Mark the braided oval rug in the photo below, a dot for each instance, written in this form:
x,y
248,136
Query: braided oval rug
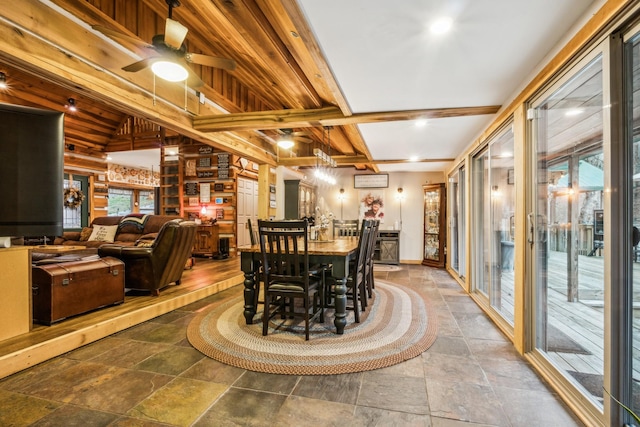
x,y
397,325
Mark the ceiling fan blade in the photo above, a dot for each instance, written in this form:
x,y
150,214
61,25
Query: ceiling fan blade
x,y
140,65
118,35
304,139
193,80
174,33
211,61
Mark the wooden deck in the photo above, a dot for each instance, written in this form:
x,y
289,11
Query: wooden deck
x,y
44,342
583,320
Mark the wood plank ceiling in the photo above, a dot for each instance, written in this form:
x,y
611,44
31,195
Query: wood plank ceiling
x,y
51,54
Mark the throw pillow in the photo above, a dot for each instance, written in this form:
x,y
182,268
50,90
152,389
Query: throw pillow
x,y
103,233
85,233
144,243
132,223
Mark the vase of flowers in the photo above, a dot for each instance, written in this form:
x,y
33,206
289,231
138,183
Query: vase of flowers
x,y
323,222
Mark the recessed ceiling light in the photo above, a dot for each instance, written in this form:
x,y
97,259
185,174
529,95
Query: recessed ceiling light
x,y
413,158
421,123
441,25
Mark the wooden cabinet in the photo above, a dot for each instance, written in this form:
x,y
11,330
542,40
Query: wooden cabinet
x,y
15,305
387,249
299,199
206,240
434,225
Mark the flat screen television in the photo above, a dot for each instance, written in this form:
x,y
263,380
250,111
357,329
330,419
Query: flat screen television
x,y
31,171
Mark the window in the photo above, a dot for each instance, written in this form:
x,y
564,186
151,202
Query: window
x,y
146,202
120,201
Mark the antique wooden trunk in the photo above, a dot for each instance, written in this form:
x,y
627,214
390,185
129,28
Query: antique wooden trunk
x,y
70,288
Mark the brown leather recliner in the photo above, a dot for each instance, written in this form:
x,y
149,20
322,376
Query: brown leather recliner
x,y
155,267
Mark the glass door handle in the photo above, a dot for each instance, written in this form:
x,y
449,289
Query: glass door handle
x,y
540,226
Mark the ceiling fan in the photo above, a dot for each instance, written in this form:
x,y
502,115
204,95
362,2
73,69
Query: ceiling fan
x,y
288,137
170,59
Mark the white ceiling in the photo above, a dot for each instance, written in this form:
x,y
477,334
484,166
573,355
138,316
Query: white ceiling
x,y
145,159
385,59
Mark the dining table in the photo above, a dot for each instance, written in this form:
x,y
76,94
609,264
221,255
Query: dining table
x,y
338,253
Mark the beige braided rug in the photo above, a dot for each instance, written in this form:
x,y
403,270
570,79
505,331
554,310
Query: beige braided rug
x,y
398,326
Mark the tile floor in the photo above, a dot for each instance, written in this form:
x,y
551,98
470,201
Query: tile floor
x,y
149,375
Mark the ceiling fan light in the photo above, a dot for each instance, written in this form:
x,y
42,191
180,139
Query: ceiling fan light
x,y
285,143
169,71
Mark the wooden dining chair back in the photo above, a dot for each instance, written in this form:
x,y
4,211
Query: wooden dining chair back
x,y
253,234
370,258
345,228
285,265
253,239
356,287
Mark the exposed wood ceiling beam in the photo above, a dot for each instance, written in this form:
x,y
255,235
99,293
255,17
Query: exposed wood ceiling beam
x,y
350,160
56,57
328,116
302,44
312,160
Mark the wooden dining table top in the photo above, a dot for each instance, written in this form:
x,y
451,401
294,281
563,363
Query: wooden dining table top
x,y
338,247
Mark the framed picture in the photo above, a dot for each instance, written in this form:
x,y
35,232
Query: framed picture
x,y
380,180
371,205
218,187
190,167
204,162
510,177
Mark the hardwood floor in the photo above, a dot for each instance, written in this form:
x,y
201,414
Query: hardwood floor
x,y
206,278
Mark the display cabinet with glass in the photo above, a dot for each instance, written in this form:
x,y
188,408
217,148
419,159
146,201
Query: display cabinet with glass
x,y
434,226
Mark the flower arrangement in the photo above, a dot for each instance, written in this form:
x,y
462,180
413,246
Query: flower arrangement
x,y
323,221
72,198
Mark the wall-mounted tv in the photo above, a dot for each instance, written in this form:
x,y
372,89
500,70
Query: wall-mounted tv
x,y
31,171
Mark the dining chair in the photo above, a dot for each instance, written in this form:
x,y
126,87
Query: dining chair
x,y
345,228
287,275
253,239
253,234
369,263
356,290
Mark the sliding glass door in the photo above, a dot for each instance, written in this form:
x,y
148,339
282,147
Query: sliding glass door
x,y
629,334
566,226
494,223
457,225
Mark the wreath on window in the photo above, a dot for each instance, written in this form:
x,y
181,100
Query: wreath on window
x,y
72,198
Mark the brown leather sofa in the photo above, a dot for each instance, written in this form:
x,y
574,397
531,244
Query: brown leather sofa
x,y
128,233
157,266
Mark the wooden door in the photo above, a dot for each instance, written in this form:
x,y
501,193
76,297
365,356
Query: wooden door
x,y
247,208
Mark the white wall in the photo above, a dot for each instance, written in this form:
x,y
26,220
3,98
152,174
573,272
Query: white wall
x,y
411,235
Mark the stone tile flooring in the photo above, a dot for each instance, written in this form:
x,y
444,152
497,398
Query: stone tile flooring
x,y
149,375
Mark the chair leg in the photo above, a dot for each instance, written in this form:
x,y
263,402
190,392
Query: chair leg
x,y
256,280
363,296
370,284
306,317
354,300
265,315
